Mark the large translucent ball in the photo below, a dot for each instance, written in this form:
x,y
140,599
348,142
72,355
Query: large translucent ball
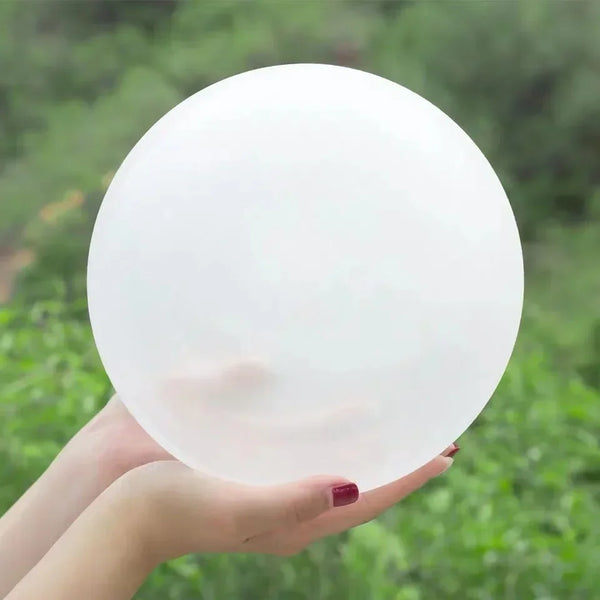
x,y
305,269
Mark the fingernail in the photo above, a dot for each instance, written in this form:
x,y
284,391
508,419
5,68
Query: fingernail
x,y
344,494
453,451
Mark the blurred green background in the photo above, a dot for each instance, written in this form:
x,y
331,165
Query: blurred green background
x,y
518,515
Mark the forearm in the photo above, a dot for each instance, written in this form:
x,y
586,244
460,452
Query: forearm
x,y
45,511
100,557
108,446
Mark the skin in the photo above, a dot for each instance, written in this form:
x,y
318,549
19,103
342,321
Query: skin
x,y
113,505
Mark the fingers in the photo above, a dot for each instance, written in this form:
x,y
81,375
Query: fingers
x,y
308,503
288,506
218,379
369,506
187,511
379,500
374,502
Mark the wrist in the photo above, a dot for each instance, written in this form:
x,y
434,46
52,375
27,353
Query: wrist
x,y
93,458
114,443
134,503
126,513
156,500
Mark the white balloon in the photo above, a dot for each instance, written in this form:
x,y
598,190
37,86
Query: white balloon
x,y
305,269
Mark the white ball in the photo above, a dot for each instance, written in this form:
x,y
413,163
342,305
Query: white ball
x,y
305,269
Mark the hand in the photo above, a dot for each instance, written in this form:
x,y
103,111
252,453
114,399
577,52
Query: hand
x,y
163,509
180,511
298,514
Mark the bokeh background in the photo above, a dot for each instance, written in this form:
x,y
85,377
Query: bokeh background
x,y
518,516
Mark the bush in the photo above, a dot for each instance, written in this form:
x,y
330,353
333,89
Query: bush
x,y
514,518
520,78
528,96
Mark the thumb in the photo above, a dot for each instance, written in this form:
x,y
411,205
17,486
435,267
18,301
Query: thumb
x,y
285,506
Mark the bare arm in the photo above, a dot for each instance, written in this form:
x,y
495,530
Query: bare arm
x,y
163,510
100,557
107,447
42,514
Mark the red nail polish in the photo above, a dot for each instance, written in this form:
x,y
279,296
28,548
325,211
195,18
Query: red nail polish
x,y
344,494
453,451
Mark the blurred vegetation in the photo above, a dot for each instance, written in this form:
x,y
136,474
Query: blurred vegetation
x,y
517,517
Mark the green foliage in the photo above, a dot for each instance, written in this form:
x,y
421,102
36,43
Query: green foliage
x,y
74,141
516,517
566,287
53,51
519,77
51,381
81,143
527,95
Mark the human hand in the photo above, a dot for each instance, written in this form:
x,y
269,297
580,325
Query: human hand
x,y
161,510
187,511
178,510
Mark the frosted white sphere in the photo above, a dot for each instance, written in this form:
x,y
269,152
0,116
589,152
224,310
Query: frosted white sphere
x,y
305,269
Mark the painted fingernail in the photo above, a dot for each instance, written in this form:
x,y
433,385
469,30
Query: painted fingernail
x,y
453,451
344,494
